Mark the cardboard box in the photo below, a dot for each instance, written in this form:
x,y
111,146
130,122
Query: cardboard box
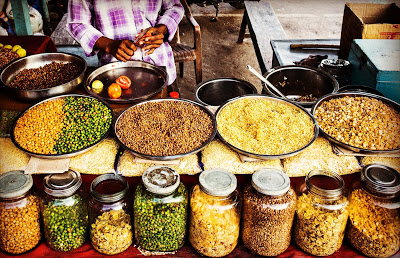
x,y
368,21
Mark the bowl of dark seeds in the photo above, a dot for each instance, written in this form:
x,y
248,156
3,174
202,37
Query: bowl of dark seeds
x,y
165,129
44,75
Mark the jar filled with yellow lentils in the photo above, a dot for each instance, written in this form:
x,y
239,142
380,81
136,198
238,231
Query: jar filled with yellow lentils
x,y
322,212
215,213
269,205
110,214
19,213
374,219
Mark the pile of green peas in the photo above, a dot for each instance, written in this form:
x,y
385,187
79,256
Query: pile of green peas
x,y
86,121
65,225
160,221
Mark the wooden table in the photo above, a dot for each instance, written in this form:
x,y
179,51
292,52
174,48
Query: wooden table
x,y
263,26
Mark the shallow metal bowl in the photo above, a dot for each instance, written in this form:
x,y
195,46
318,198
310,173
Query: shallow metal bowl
x,y
64,155
172,157
35,61
301,80
273,99
355,94
147,80
215,92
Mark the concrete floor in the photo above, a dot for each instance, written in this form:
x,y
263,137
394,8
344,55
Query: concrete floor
x,y
223,57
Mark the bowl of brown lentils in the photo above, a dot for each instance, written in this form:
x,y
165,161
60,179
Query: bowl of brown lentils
x,y
359,121
40,76
62,126
165,129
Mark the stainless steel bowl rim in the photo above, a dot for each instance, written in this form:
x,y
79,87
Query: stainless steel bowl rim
x,y
172,157
204,83
301,67
355,94
72,84
265,156
130,63
65,155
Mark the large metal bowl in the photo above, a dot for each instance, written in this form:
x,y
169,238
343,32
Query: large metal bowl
x,y
147,80
274,99
355,94
35,61
301,80
64,155
172,157
215,92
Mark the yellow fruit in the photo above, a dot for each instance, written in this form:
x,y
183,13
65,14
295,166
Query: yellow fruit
x,y
16,47
1,45
8,46
21,52
97,84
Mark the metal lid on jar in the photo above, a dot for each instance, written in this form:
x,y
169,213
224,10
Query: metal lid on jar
x,y
217,182
14,184
161,180
270,181
109,188
381,179
62,184
325,183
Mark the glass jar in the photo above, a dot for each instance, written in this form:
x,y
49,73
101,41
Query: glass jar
x,y
374,219
19,213
322,212
215,213
64,210
160,210
269,205
110,214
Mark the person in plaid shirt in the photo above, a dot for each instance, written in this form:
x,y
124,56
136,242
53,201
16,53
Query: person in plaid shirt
x,y
108,27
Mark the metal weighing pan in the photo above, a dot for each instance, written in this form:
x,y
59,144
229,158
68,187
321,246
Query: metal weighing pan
x,y
35,61
147,80
274,99
65,155
355,94
172,157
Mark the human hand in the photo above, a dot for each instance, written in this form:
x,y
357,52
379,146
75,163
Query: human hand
x,y
152,39
123,50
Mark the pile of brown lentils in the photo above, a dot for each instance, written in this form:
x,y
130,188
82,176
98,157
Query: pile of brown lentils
x,y
6,56
47,76
164,128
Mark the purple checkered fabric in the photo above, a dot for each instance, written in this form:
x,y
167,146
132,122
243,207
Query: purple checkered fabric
x,y
88,20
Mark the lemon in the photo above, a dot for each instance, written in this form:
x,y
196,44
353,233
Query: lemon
x,y
21,52
1,45
97,85
8,46
16,47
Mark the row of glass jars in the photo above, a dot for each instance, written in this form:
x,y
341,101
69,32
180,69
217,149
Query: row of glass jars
x,y
161,203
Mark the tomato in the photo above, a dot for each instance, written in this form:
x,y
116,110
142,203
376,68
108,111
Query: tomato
x,y
124,82
114,91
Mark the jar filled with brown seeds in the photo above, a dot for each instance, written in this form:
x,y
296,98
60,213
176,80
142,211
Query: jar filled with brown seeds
x,y
215,213
19,213
322,212
374,219
269,205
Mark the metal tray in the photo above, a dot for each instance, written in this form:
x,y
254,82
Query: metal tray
x,y
147,80
172,157
35,61
355,94
64,155
275,99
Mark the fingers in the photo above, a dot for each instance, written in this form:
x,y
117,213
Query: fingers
x,y
149,52
125,50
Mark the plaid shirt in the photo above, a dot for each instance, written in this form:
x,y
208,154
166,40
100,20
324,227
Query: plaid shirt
x,y
88,20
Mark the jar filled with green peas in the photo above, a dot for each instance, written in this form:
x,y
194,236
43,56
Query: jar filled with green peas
x,y
160,210
64,210
110,214
19,213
